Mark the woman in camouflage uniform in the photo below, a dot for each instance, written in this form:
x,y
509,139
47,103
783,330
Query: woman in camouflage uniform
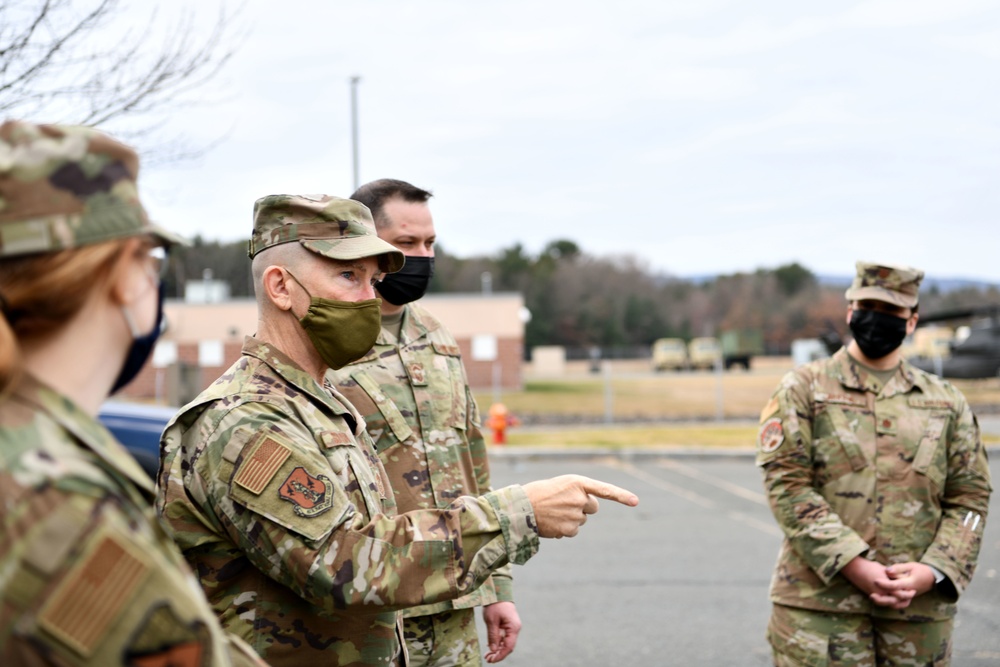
x,y
877,476
87,574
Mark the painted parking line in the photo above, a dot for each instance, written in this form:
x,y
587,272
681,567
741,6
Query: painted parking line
x,y
717,482
701,500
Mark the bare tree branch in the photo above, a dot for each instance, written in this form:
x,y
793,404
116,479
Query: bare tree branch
x,y
74,61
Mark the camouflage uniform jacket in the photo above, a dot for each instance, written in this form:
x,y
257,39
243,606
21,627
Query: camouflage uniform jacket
x,y
88,576
894,474
415,399
275,494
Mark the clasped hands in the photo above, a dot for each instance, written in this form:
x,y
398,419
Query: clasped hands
x,y
892,586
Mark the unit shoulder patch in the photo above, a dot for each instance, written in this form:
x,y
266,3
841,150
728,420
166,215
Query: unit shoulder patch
x,y
310,495
771,435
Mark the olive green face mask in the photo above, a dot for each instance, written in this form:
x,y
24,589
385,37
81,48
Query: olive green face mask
x,y
341,331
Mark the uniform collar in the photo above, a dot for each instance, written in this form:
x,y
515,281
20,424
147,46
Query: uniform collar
x,y
413,328
853,375
93,435
294,375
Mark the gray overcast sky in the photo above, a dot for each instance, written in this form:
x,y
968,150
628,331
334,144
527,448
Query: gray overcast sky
x,y
701,137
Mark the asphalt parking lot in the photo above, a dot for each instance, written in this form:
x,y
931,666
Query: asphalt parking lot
x,y
682,579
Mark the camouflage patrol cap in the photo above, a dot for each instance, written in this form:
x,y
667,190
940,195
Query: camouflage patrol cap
x,y
898,285
62,187
329,226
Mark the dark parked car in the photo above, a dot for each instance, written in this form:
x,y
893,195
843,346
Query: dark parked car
x,y
138,427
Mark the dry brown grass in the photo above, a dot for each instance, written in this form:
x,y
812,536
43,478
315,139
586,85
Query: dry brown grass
x,y
673,396
634,397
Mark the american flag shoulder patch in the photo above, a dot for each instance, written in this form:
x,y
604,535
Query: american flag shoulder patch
x,y
93,594
260,468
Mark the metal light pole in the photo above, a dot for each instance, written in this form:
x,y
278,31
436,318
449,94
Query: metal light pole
x,y
354,127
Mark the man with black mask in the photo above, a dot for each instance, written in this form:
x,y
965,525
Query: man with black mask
x,y
877,476
413,393
272,487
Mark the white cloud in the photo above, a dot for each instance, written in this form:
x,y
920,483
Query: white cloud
x,y
708,136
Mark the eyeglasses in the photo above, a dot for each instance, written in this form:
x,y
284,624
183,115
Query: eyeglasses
x,y
159,260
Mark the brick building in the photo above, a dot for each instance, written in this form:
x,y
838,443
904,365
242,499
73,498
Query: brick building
x,y
204,339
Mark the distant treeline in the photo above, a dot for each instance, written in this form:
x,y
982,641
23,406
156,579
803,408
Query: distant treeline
x,y
581,301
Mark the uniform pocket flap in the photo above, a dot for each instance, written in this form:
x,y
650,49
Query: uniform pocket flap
x,y
929,443
389,411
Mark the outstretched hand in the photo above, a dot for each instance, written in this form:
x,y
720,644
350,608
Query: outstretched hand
x,y
562,504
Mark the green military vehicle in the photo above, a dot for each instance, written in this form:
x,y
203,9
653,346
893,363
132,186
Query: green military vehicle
x,y
740,346
669,354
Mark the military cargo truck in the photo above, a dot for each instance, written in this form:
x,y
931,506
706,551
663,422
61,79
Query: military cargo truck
x,y
740,346
704,352
669,354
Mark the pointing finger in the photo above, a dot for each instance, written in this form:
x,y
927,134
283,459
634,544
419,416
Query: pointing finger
x,y
609,492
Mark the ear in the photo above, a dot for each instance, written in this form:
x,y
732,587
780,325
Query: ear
x,y
275,282
850,311
911,324
122,286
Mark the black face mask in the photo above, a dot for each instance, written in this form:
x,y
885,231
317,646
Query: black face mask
x,y
877,333
141,348
409,283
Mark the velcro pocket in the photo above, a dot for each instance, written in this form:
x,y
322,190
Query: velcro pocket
x,y
927,450
453,408
846,431
286,485
88,601
393,417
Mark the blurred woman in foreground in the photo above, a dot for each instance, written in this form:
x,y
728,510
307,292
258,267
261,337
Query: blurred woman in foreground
x,y
87,574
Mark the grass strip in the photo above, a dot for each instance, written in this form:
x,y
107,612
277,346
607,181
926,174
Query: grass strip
x,y
620,437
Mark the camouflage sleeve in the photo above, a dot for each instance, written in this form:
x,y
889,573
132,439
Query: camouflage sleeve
x,y
502,578
785,453
85,584
303,517
965,503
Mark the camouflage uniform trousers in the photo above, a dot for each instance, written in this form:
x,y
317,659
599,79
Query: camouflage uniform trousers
x,y
446,639
808,638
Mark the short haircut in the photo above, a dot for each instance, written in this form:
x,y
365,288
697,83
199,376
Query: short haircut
x,y
374,195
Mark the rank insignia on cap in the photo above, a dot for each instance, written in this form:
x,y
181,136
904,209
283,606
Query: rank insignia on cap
x,y
310,495
771,435
255,473
93,594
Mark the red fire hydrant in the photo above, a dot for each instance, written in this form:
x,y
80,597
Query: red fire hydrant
x,y
499,419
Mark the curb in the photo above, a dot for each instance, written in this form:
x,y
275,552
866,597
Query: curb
x,y
508,453
520,454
